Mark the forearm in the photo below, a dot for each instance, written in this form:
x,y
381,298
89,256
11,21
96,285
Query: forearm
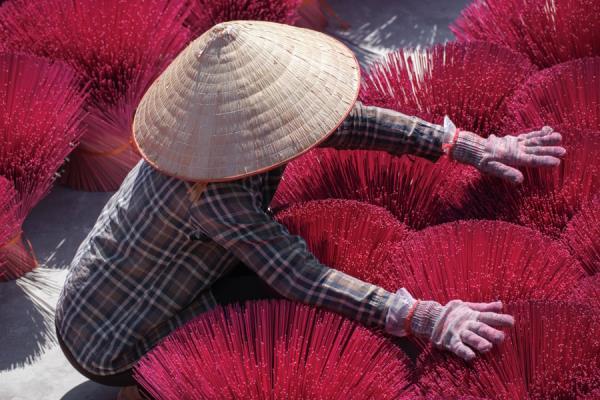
x,y
375,128
230,215
298,275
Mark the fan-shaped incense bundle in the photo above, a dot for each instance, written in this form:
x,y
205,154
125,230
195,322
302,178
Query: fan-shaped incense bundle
x,y
582,236
466,81
482,261
548,32
408,188
118,48
588,292
15,258
273,350
566,95
345,234
207,13
551,353
548,198
40,112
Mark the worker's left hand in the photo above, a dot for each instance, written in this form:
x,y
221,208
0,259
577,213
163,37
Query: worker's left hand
x,y
499,155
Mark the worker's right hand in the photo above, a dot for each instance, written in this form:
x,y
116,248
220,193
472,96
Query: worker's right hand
x,y
464,328
460,327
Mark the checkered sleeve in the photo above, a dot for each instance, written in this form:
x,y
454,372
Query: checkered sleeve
x,y
230,214
376,128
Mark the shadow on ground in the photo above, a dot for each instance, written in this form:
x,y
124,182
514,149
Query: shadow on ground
x,y
25,331
57,227
89,390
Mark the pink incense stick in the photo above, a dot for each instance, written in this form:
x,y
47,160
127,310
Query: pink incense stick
x,y
566,94
466,81
482,261
547,32
273,350
409,188
345,235
118,48
553,352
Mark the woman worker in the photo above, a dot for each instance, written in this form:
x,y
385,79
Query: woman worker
x,y
216,130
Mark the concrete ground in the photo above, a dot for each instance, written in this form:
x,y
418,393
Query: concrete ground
x,y
32,367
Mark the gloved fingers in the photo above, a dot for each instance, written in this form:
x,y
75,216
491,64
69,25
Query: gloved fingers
x,y
503,171
462,351
486,331
495,306
475,341
546,130
555,151
553,138
530,160
496,319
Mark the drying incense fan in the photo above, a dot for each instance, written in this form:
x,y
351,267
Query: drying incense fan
x,y
481,261
553,352
345,235
466,81
118,48
40,113
207,13
564,95
411,189
548,32
273,350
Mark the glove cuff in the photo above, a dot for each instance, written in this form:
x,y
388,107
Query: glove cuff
x,y
425,316
469,148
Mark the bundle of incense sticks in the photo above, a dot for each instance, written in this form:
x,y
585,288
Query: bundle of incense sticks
x,y
345,235
40,113
206,13
118,48
409,188
547,32
551,353
466,81
482,261
273,350
566,95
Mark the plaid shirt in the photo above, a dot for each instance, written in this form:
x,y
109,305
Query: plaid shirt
x,y
148,264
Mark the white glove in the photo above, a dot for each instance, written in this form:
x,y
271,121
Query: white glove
x,y
459,327
498,155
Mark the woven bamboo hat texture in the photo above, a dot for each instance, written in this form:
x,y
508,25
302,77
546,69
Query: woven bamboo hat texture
x,y
243,98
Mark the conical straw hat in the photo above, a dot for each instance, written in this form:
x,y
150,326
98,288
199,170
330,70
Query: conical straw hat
x,y
245,97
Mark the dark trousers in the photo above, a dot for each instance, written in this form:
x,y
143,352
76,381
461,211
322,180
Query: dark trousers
x,y
239,286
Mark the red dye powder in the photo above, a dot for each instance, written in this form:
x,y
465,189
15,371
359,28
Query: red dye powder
x,y
273,350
